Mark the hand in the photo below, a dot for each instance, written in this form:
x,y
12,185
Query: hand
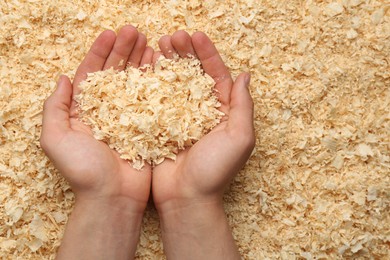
x,y
106,187
202,171
188,192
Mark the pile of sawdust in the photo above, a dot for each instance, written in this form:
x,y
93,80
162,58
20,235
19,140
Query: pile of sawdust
x,y
149,114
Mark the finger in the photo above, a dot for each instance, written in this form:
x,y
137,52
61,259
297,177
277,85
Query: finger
x,y
95,58
241,106
213,65
122,49
138,51
56,111
147,57
166,47
182,43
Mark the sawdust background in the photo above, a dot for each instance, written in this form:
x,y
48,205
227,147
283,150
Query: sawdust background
x,y
317,184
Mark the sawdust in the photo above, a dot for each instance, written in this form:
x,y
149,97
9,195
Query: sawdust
x,y
317,184
150,114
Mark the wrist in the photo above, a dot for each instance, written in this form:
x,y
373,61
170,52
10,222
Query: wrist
x,y
191,218
110,203
99,229
188,208
198,230
110,211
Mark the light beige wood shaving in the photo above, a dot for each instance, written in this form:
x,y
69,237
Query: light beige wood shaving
x,y
150,114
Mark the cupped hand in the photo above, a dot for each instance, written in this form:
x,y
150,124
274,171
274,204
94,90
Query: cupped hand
x,y
201,172
94,171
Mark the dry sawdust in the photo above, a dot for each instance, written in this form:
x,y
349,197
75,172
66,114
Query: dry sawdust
x,y
149,114
317,184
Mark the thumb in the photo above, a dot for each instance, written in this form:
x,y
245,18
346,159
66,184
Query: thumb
x,y
241,106
56,111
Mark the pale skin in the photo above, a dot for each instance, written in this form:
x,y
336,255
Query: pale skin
x,y
111,196
188,192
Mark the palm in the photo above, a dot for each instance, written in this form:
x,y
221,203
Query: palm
x,y
88,164
103,170
192,171
205,168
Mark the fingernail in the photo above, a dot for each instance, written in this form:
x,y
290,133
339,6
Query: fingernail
x,y
247,79
60,81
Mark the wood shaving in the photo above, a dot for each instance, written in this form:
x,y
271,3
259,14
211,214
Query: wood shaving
x,y
317,183
148,114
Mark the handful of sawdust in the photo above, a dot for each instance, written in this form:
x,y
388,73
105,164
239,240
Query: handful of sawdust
x,y
149,115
